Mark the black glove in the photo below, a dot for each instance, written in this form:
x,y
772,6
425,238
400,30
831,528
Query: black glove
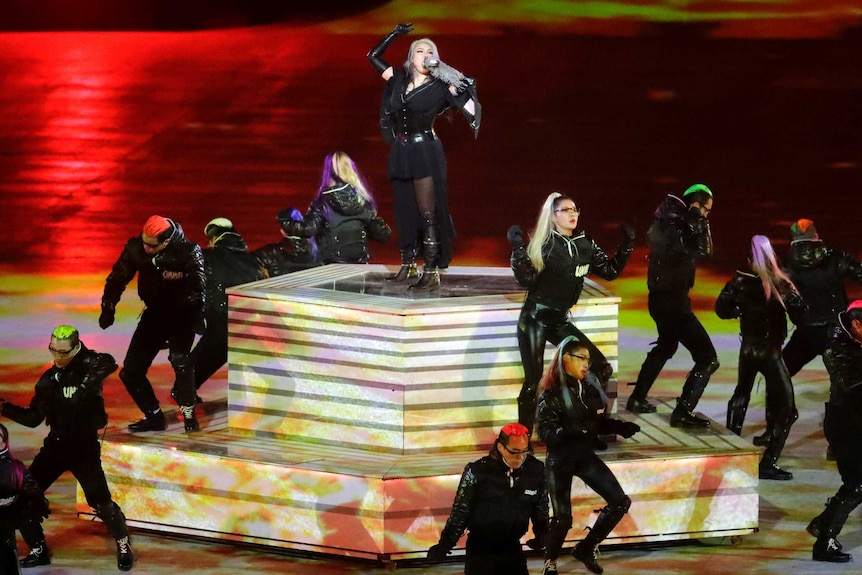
x,y
515,236
106,318
374,55
199,323
626,428
536,543
628,232
403,29
437,553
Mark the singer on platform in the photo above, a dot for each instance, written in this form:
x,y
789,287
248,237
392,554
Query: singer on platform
x,y
413,97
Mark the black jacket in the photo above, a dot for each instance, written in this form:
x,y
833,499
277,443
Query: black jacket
x,y
68,399
819,274
291,254
492,509
570,419
18,491
762,322
172,280
678,237
227,264
843,360
342,223
567,262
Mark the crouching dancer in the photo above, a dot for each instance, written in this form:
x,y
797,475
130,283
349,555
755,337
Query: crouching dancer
x,y
68,397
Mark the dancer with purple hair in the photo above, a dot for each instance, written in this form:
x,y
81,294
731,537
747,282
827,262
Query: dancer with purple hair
x,y
343,215
760,296
414,96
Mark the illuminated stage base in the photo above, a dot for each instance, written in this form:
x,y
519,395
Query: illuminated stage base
x,y
345,431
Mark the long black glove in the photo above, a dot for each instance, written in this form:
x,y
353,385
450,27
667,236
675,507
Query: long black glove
x,y
374,55
106,318
437,553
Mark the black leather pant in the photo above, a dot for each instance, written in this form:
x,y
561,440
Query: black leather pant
x,y
762,357
843,429
806,342
677,324
600,479
537,325
155,329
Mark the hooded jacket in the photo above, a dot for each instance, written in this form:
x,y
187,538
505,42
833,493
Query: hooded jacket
x,y
678,237
170,281
819,273
228,263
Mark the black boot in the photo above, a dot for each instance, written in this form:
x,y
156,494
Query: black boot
x,y
39,555
736,409
408,270
154,421
587,551
828,549
683,416
637,404
430,252
817,525
190,422
125,557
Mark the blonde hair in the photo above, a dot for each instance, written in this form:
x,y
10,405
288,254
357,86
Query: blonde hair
x,y
764,264
339,167
544,227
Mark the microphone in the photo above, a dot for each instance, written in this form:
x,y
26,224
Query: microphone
x,y
431,62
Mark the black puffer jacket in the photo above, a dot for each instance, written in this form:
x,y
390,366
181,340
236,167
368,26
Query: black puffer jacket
x,y
342,223
570,419
227,264
492,509
172,280
761,322
69,399
819,274
568,260
678,237
843,360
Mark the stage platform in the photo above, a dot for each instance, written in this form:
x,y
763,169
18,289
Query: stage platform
x,y
353,406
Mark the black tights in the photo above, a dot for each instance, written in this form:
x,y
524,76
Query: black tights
x,y
424,188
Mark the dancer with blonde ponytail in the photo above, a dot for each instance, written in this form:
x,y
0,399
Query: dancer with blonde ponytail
x,y
760,296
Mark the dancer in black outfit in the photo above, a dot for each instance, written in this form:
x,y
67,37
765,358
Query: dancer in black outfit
x,y
19,495
68,397
818,273
227,263
497,498
843,428
292,253
170,271
760,296
343,215
553,268
413,97
572,412
679,237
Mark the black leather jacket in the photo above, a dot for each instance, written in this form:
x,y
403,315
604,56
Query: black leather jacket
x,y
819,274
227,264
172,280
678,237
567,262
843,360
762,322
342,223
291,254
18,490
570,419
69,399
492,509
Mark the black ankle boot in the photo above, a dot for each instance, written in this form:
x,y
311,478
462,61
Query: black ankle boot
x,y
190,422
682,416
639,405
38,555
589,556
152,422
125,557
828,549
430,279
773,472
